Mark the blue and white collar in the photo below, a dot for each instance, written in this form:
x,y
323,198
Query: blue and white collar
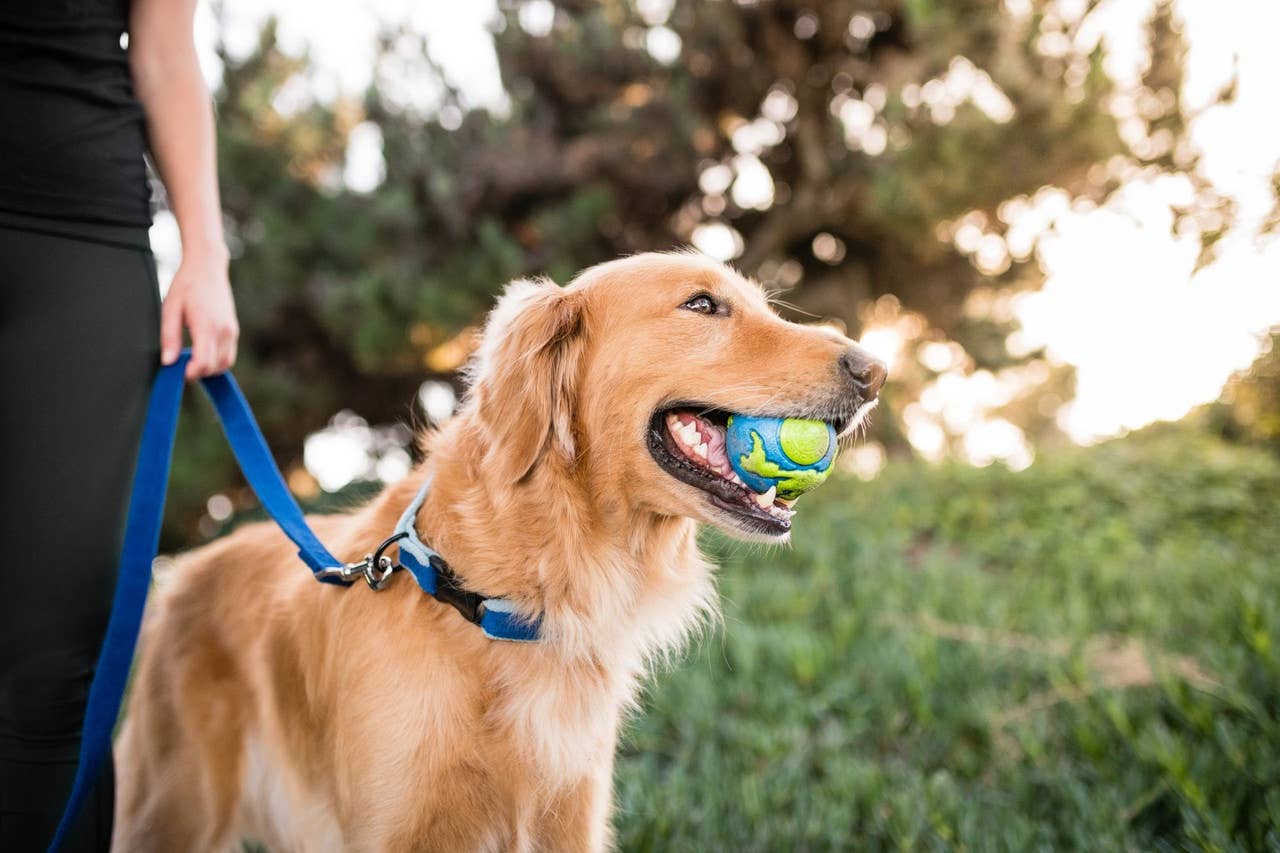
x,y
497,617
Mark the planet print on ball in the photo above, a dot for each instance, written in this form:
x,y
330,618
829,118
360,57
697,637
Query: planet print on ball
x,y
792,454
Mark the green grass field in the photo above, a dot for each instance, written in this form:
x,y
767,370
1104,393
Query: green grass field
x,y
1081,656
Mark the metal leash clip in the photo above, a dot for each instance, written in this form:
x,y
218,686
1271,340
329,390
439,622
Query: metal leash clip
x,y
375,568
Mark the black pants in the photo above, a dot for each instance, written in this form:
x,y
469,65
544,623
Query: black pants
x,y
79,344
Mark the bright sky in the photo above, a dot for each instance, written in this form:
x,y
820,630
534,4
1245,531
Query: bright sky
x,y
1149,337
341,38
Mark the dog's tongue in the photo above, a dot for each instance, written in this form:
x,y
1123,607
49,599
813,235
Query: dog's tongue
x,y
702,441
716,456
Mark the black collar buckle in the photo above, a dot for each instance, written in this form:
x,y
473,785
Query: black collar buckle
x,y
450,591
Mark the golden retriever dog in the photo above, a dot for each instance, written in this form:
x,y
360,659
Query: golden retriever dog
x,y
313,717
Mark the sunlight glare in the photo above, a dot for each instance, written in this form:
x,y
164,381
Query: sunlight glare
x,y
884,342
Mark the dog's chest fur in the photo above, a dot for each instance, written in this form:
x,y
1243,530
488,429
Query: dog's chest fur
x,y
562,724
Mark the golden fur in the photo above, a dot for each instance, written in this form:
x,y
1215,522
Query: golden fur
x,y
316,718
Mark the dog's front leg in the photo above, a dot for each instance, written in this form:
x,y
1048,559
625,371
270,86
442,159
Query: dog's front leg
x,y
578,819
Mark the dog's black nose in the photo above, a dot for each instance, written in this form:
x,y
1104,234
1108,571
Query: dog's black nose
x,y
865,371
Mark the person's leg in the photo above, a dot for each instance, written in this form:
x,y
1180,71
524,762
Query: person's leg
x,y
78,348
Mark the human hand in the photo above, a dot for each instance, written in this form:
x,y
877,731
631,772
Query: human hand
x,y
200,300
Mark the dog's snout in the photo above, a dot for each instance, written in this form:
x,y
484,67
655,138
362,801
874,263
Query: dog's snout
x,y
866,372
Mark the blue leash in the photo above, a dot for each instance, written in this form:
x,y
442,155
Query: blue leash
x,y
142,539
496,617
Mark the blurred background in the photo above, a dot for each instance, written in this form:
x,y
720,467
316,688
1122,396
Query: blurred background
x,y
1041,608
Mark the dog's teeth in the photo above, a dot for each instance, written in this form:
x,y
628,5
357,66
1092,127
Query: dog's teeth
x,y
766,500
733,476
700,450
788,503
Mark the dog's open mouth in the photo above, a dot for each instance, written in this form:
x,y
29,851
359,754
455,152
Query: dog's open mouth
x,y
689,443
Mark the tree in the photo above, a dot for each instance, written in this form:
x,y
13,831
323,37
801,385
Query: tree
x,y
863,158
1249,410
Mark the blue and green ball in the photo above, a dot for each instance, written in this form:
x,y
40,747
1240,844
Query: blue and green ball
x,y
793,454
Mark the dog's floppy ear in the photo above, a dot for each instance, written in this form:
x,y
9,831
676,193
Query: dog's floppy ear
x,y
524,377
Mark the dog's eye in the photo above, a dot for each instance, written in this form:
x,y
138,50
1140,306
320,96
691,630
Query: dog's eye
x,y
703,303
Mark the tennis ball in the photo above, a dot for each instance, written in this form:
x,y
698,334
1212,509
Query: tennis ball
x,y
793,454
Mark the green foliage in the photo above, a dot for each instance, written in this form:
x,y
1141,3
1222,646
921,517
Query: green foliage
x,y
344,295
1250,406
1084,655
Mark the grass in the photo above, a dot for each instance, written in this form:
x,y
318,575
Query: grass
x,y
1081,656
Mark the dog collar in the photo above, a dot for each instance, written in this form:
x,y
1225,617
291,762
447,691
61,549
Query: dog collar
x,y
497,617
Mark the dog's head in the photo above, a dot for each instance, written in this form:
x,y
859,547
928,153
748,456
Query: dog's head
x,y
596,383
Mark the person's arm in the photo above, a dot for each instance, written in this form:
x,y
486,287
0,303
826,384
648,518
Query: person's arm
x,y
168,83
